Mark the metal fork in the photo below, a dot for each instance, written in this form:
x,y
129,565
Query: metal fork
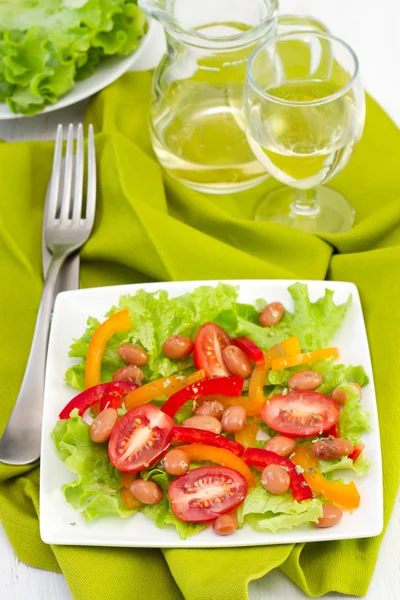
x,y
68,226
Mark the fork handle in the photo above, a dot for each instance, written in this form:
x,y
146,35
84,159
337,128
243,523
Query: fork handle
x,y
20,443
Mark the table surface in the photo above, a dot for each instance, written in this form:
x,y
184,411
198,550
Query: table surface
x,y
372,30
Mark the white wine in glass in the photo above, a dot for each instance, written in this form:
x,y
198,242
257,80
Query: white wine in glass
x,y
305,111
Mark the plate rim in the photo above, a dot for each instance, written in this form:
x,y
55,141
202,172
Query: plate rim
x,y
323,534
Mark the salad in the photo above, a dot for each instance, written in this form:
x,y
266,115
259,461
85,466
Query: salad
x,y
200,411
45,47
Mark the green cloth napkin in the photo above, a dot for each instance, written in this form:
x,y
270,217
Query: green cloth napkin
x,y
149,227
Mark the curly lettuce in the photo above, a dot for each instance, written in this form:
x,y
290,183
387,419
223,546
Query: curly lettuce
x,y
156,316
45,47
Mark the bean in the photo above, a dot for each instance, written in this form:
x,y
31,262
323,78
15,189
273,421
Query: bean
x,y
280,444
330,449
102,426
147,492
206,423
237,362
225,524
331,515
133,354
305,380
234,419
275,479
177,347
341,396
128,373
210,408
272,314
176,462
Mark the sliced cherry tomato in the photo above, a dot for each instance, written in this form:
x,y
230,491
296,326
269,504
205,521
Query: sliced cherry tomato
x,y
258,457
139,438
206,492
128,498
356,452
94,395
301,359
227,386
250,348
160,388
210,340
300,414
200,436
223,457
344,495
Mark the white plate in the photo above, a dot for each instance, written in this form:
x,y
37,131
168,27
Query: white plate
x,y
106,72
56,515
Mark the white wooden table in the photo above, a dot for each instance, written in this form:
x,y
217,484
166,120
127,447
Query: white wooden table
x,y
371,27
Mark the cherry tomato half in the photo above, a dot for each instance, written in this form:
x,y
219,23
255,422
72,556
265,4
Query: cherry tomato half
x,y
139,438
300,414
208,345
206,492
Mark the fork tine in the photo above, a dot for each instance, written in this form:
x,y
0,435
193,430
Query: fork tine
x,y
55,177
79,168
91,187
68,170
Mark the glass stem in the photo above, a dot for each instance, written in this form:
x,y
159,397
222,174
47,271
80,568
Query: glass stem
x,y
305,202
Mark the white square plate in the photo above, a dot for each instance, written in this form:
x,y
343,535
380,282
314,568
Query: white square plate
x,y
57,516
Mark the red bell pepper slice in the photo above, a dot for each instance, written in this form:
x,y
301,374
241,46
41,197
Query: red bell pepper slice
x,y
110,392
115,392
258,457
221,386
333,431
200,436
250,348
356,452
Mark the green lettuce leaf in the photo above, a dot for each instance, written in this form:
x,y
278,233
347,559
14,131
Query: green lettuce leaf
x,y
96,491
333,375
46,46
353,420
267,512
360,466
315,323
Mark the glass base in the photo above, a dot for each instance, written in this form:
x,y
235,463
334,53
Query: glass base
x,y
332,213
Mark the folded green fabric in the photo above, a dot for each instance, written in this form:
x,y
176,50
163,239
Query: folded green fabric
x,y
149,227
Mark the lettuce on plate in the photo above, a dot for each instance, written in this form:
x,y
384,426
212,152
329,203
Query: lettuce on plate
x,y
353,420
156,316
96,491
266,512
360,466
45,47
333,375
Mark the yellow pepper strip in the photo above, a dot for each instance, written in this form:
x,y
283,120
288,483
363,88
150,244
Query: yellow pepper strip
x,y
160,388
129,499
247,437
223,457
116,323
300,359
344,495
288,347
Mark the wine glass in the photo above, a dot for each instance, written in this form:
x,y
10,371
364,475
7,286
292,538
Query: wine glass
x,y
304,112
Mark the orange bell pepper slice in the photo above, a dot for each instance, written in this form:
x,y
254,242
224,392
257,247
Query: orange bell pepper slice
x,y
288,347
300,359
114,324
247,437
129,499
344,495
223,457
160,388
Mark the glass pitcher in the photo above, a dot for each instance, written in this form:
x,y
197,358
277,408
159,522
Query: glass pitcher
x,y
197,126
